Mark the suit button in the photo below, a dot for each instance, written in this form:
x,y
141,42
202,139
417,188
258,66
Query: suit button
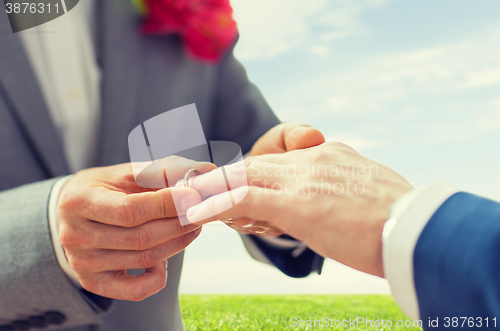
x,y
55,318
38,322
6,328
21,325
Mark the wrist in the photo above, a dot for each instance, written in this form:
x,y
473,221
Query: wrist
x,y
392,197
394,194
53,224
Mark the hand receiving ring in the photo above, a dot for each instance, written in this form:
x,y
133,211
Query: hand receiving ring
x,y
243,225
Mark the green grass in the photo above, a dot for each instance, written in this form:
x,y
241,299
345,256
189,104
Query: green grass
x,y
273,312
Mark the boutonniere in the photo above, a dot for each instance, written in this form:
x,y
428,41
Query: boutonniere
x,y
207,27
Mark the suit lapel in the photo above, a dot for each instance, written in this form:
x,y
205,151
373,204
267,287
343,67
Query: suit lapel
x,y
119,56
19,87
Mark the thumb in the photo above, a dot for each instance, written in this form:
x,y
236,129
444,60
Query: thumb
x,y
303,137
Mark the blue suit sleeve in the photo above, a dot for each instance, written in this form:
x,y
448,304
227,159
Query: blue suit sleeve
x,y
457,263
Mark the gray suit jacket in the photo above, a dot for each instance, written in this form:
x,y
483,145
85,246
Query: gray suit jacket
x,y
142,77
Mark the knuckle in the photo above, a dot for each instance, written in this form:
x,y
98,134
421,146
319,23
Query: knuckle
x,y
76,263
337,145
143,290
72,235
174,158
172,161
237,172
325,155
280,127
147,258
140,239
69,201
126,214
166,206
248,161
139,293
90,284
67,236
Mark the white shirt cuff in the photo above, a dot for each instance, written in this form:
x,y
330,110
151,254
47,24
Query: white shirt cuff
x,y
409,216
60,255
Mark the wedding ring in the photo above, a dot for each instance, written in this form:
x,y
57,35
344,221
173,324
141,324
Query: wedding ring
x,y
249,225
187,176
259,230
229,221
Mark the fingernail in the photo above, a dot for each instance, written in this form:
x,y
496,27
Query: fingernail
x,y
189,201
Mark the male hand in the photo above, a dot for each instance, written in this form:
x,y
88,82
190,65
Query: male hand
x,y
280,139
108,224
330,197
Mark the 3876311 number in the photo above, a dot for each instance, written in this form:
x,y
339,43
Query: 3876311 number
x,y
471,322
31,7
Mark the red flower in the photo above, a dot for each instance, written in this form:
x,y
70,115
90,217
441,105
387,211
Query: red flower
x,y
207,27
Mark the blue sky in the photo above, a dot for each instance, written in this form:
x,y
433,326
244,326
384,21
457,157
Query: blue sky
x,y
412,84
